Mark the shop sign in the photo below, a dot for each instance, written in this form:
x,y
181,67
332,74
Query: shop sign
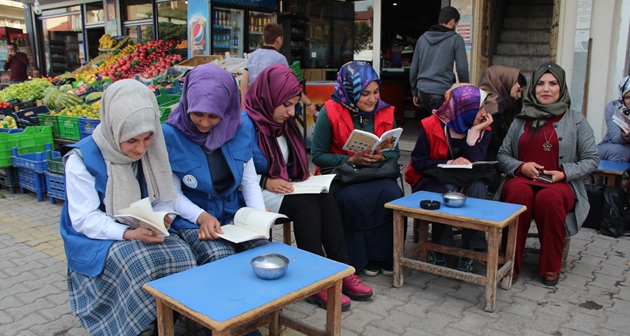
x,y
198,29
269,4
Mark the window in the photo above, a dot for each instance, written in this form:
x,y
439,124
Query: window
x,y
172,20
138,9
94,13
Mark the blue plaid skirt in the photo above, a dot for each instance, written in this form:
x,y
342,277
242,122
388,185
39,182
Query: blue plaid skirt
x,y
113,303
208,251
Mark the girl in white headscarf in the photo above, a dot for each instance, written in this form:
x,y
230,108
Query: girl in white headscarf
x,y
123,161
616,144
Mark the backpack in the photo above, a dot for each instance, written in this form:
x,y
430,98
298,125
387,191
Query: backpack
x,y
615,212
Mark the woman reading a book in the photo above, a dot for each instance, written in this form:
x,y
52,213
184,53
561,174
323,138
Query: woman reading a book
x,y
456,134
546,153
123,161
270,102
368,226
616,143
210,149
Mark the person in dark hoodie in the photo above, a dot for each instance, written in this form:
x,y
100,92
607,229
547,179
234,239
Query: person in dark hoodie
x,y
431,73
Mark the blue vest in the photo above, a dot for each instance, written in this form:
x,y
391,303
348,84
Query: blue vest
x,y
189,163
86,256
260,161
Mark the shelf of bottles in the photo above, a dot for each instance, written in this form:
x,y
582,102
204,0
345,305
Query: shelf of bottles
x,y
227,32
257,22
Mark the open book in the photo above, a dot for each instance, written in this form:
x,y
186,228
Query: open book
x,y
622,121
466,166
313,185
249,223
141,214
361,140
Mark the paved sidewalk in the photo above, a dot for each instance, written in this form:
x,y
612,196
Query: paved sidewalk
x,y
592,297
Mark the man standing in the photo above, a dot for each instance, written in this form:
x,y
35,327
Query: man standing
x,y
267,55
16,63
431,73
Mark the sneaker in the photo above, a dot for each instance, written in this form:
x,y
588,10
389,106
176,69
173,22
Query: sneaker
x,y
372,268
436,258
355,289
465,264
387,268
321,299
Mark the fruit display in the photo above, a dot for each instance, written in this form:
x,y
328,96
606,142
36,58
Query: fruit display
x,y
91,111
27,91
182,45
5,105
8,122
106,42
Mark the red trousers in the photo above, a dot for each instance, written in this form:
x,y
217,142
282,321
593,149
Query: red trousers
x,y
548,204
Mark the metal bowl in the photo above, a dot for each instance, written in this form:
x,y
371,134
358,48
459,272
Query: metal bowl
x,y
270,266
454,199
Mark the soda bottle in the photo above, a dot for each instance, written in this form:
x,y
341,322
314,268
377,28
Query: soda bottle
x,y
197,34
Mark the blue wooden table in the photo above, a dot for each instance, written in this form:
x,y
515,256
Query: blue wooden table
x,y
226,294
476,214
612,171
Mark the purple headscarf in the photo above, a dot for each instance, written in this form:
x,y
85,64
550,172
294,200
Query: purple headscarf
x,y
212,90
274,86
460,107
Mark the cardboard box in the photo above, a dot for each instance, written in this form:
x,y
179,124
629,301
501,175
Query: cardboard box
x,y
314,74
198,60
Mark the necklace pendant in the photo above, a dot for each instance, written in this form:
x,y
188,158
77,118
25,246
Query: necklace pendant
x,y
547,146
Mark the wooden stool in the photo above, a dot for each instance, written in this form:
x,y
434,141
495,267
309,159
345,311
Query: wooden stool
x,y
565,250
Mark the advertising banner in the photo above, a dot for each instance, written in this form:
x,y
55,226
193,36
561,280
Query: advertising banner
x,y
198,29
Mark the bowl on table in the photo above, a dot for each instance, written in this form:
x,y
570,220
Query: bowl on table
x,y
270,266
454,199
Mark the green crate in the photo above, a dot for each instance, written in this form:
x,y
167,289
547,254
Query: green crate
x,y
32,139
69,127
56,165
167,99
166,110
52,121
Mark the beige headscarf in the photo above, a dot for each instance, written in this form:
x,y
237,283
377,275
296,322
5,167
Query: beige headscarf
x,y
128,109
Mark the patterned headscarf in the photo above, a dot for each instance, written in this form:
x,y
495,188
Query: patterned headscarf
x,y
539,113
352,79
128,109
460,108
624,87
274,86
212,90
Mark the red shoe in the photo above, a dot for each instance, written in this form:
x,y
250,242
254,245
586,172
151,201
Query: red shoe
x,y
321,299
355,289
550,278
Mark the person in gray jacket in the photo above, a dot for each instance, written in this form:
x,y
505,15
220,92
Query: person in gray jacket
x,y
431,73
547,152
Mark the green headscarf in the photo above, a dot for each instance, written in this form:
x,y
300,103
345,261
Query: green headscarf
x,y
539,113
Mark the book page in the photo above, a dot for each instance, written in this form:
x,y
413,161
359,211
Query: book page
x,y
466,166
256,220
360,140
622,121
141,214
236,234
388,140
313,185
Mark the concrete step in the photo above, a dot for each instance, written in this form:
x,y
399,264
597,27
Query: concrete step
x,y
525,36
523,49
524,63
529,11
521,23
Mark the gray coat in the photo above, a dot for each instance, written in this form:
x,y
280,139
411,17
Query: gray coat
x,y
577,156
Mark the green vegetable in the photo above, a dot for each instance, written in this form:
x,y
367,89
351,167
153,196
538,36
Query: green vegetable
x,y
32,90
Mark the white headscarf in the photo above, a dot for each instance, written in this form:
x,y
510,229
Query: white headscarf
x,y
624,87
128,109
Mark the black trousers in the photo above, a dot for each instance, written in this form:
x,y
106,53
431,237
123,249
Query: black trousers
x,y
317,224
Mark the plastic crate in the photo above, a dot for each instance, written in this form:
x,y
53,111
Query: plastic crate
x,y
165,111
30,140
52,121
29,116
55,186
167,99
69,127
87,126
24,105
9,179
33,181
55,163
37,162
